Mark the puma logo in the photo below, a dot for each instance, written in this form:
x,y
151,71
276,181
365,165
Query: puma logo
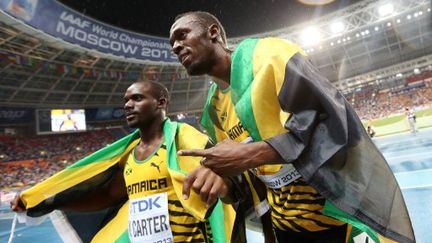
x,y
153,164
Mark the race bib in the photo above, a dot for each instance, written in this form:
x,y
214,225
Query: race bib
x,y
149,219
286,174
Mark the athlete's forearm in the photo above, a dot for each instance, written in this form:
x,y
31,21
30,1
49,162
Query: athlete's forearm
x,y
102,197
229,158
261,153
93,201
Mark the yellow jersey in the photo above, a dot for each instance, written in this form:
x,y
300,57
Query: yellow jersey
x,y
294,205
150,191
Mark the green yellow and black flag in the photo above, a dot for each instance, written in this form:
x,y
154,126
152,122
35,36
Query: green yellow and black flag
x,y
281,98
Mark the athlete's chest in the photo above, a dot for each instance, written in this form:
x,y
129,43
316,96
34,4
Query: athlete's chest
x,y
144,177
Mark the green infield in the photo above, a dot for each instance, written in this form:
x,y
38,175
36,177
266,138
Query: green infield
x,y
399,123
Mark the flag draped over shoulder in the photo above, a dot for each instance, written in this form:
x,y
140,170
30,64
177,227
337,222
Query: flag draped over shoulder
x,y
96,169
281,98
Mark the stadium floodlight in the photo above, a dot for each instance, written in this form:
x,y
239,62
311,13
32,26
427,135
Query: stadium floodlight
x,y
409,16
416,71
399,75
385,10
311,36
398,20
337,27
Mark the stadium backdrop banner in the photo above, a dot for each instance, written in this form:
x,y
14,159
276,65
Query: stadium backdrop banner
x,y
11,115
62,22
104,114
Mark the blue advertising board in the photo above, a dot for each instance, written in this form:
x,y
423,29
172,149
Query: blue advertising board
x,y
11,115
62,22
104,114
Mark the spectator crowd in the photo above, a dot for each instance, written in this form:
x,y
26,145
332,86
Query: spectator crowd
x,y
24,161
372,104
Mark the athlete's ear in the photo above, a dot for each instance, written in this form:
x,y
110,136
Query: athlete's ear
x,y
214,32
162,103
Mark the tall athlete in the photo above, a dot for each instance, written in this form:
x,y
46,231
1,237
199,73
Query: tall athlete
x,y
147,178
275,115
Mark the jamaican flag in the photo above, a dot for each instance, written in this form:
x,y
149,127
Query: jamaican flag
x,y
281,98
110,225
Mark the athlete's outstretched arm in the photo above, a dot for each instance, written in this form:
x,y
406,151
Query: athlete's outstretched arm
x,y
110,194
102,191
229,158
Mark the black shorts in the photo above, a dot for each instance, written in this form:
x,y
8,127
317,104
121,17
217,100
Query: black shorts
x,y
333,235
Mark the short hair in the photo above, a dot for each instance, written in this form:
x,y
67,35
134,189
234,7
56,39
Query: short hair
x,y
158,89
206,19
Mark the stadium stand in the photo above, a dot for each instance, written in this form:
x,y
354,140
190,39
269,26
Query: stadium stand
x,y
27,160
371,103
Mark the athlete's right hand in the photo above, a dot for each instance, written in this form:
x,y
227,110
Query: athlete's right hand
x,y
209,185
17,205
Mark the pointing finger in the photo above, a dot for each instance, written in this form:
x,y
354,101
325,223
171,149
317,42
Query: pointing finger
x,y
193,152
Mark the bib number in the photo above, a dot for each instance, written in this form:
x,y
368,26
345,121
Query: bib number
x,y
149,219
283,177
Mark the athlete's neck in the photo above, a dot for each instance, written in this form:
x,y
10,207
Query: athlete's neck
x,y
153,132
151,138
221,72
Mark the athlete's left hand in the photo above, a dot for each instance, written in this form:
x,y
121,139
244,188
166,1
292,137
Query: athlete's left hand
x,y
209,185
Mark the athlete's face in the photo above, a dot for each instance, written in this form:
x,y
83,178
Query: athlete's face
x,y
140,106
191,42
